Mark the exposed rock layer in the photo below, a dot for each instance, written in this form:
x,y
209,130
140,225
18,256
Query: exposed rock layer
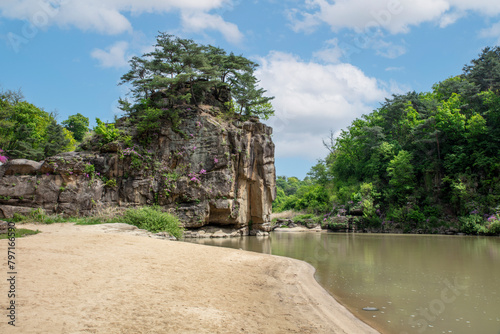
x,y
210,171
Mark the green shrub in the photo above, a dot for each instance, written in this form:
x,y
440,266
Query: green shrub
x,y
17,217
107,132
471,224
111,183
89,168
434,221
416,217
153,220
494,228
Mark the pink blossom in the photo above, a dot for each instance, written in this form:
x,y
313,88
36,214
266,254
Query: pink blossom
x,y
216,160
203,171
194,148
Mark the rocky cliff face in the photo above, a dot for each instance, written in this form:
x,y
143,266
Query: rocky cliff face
x,y
209,171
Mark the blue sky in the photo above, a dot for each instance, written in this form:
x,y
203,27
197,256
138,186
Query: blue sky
x,y
326,62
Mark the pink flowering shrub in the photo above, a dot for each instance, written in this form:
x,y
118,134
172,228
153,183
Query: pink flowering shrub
x,y
195,177
3,158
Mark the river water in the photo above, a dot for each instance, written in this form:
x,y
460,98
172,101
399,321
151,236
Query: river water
x,y
418,283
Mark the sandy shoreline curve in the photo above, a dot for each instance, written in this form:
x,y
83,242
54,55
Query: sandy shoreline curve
x,y
99,279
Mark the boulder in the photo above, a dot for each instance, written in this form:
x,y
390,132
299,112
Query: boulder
x,y
219,234
20,167
4,227
7,211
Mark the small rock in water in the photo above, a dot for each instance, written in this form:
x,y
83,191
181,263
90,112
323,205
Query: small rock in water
x,y
370,309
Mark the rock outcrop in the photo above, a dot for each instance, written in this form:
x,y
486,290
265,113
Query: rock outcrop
x,y
209,171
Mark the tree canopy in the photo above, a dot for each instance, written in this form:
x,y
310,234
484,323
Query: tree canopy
x,y
78,125
29,132
421,158
181,71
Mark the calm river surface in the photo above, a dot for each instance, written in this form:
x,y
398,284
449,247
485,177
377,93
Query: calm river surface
x,y
418,283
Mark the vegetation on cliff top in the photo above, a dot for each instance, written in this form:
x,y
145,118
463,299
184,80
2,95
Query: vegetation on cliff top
x,y
28,132
182,71
418,162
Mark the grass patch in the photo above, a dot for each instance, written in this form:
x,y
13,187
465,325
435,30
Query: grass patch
x,y
20,232
38,216
153,220
147,218
288,214
93,220
304,217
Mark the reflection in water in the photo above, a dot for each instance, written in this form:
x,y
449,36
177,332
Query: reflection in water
x,y
420,284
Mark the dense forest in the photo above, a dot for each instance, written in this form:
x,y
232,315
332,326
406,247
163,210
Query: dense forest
x,y
421,162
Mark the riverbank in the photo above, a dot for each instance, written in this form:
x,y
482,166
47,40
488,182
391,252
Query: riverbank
x,y
80,279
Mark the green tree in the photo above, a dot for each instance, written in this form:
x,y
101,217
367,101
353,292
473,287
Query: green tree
x,y
56,140
24,130
24,145
485,70
401,174
29,132
78,125
249,97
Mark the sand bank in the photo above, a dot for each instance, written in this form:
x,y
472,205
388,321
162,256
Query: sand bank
x,y
93,279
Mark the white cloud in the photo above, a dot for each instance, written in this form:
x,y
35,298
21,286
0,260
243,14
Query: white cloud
x,y
114,56
311,99
450,18
395,68
394,16
331,53
108,16
199,21
493,31
389,49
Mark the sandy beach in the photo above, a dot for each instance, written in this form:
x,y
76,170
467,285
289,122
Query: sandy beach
x,y
100,279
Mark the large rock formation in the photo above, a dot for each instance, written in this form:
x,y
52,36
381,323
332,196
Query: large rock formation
x,y
209,171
